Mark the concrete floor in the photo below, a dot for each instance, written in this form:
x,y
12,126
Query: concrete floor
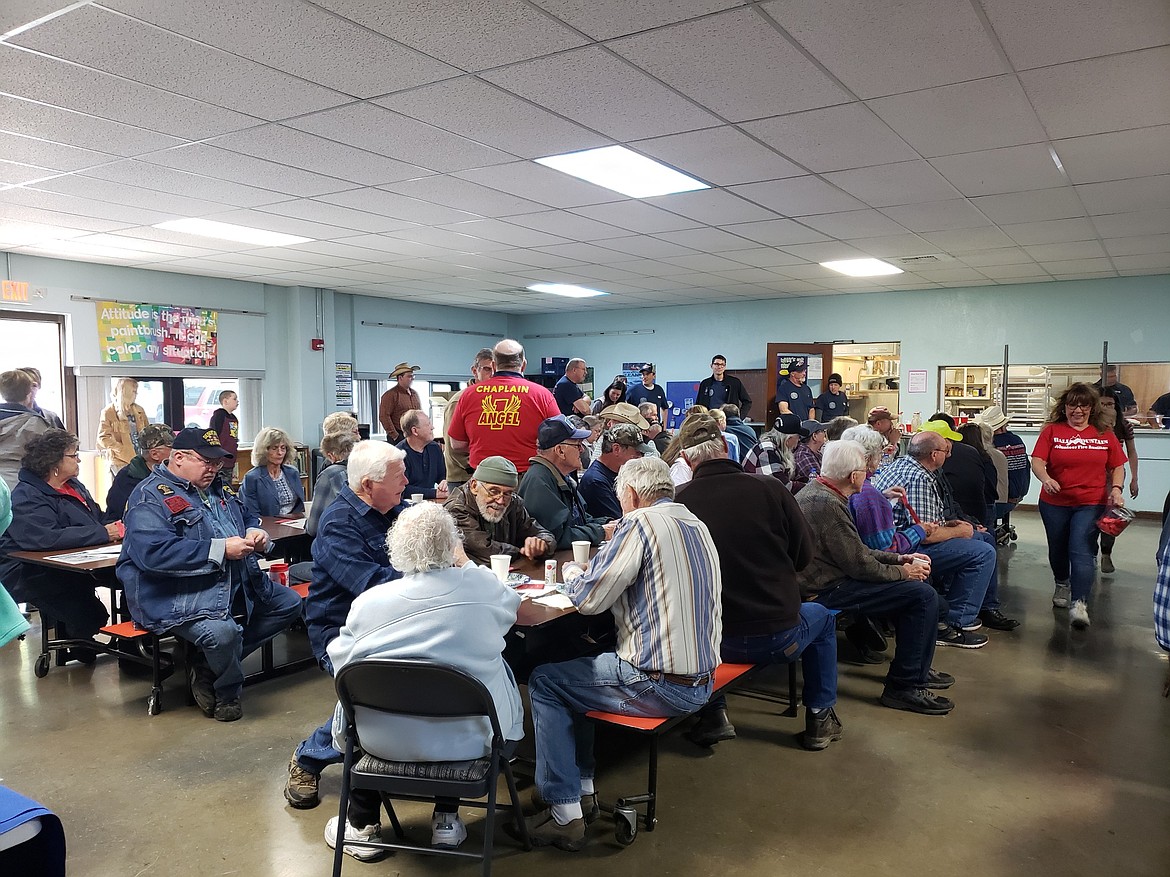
x,y
1054,761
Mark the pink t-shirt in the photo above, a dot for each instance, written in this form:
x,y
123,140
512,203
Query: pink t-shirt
x,y
1079,461
501,417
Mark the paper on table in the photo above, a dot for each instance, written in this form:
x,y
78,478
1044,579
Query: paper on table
x,y
295,523
554,601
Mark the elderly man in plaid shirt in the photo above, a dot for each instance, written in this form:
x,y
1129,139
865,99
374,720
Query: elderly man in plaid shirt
x,y
957,554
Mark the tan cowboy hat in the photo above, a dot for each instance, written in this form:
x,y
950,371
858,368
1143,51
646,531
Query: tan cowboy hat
x,y
624,412
403,368
993,417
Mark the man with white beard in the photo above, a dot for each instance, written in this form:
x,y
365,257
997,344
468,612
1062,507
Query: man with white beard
x,y
492,518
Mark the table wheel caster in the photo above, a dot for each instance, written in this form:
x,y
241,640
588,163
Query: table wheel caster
x,y
625,822
41,667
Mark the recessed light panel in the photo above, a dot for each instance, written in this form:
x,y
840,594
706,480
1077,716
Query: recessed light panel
x,y
622,170
862,267
227,232
568,290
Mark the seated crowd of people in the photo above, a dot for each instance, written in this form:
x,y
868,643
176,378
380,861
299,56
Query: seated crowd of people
x,y
713,545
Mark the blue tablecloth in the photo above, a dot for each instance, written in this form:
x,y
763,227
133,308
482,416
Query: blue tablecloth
x,y
40,856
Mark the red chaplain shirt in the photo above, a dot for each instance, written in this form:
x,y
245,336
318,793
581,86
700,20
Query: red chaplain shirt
x,y
501,417
1079,461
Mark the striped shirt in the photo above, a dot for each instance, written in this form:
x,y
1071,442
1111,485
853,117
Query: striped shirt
x,y
1162,590
660,577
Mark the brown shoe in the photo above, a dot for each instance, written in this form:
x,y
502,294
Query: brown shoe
x,y
544,831
820,731
301,789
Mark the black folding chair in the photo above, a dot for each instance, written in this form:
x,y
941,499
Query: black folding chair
x,y
422,689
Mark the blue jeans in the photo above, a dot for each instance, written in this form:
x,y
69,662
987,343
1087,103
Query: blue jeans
x,y
1072,544
562,693
968,567
316,752
813,640
914,608
991,597
225,643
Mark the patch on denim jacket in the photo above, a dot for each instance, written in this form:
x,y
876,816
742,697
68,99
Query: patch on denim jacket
x,y
176,504
165,489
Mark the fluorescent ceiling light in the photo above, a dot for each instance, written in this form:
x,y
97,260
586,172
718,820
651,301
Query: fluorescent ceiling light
x,y
228,232
862,267
566,289
622,170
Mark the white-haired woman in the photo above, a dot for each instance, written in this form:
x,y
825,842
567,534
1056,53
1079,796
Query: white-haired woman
x,y
444,609
870,508
121,422
272,487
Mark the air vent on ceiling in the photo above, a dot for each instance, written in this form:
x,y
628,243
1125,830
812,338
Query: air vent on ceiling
x,y
913,261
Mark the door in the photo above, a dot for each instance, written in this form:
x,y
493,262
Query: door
x,y
820,365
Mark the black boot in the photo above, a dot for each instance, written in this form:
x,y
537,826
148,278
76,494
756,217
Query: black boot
x,y
713,726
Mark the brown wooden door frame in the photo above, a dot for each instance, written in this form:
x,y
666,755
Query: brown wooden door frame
x,y
824,350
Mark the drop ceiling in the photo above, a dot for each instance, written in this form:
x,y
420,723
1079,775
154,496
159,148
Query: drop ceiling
x,y
1016,142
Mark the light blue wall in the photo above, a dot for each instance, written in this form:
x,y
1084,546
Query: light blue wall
x,y
1042,323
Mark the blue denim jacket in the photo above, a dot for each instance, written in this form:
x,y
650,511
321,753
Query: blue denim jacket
x,y
259,495
172,565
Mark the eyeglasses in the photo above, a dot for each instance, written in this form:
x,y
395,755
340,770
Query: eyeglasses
x,y
75,456
207,464
499,493
576,445
1078,407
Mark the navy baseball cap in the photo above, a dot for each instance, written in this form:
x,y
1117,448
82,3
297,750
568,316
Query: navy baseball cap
x,y
204,442
556,430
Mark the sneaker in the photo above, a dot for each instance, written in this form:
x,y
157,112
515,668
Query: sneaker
x,y
963,639
371,833
301,789
974,625
938,679
544,831
229,711
1079,615
820,731
1107,567
589,806
1060,597
447,831
996,620
712,727
917,700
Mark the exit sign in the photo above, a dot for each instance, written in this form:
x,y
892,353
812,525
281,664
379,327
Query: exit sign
x,y
14,290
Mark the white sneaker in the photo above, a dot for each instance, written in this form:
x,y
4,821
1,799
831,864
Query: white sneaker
x,y
1060,597
1079,615
369,833
447,831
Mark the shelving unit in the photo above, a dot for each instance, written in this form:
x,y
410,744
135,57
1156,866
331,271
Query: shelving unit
x,y
967,390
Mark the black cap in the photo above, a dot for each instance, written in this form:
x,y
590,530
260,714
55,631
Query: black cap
x,y
648,367
789,424
204,442
557,429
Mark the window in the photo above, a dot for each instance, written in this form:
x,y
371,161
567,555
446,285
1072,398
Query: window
x,y
38,340
159,398
432,394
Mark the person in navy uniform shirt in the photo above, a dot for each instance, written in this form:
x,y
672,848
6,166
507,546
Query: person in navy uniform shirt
x,y
831,403
792,389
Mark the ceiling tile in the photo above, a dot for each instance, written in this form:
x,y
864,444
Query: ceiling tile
x,y
709,240
282,224
463,195
765,257
831,139
1133,223
966,240
1142,193
937,216
968,116
1062,251
904,182
799,196
286,146
642,247
504,233
987,258
777,232
824,252
602,19
1044,32
481,111
98,39
1013,272
537,259
15,214
893,246
1117,156
131,196
635,216
397,206
1051,232
710,59
882,48
581,251
1138,246
338,216
45,154
39,78
1159,262
82,207
1102,94
994,171
164,179
1062,267
1041,204
602,92
712,207
297,38
49,123
540,184
209,161
572,226
15,173
854,223
704,154
704,262
377,130
469,34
